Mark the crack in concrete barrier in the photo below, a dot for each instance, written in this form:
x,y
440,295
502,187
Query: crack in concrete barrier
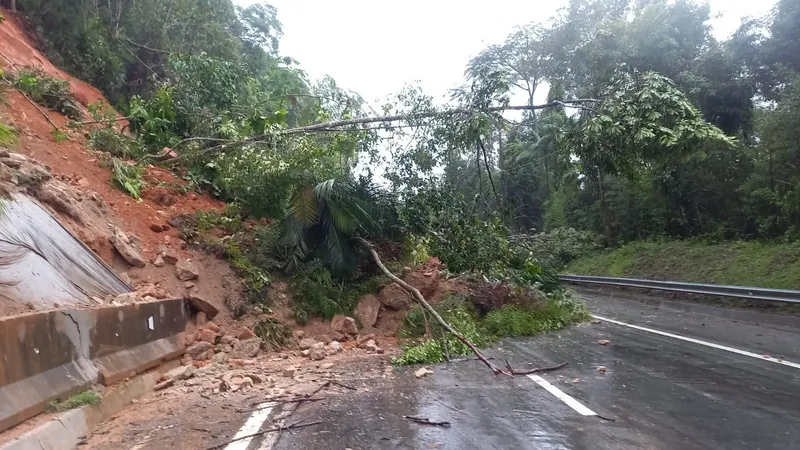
x,y
82,350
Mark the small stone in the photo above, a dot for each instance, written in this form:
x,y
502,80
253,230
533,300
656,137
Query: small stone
x,y
336,336
299,334
379,350
317,353
324,338
603,342
158,261
227,339
186,271
202,318
212,326
423,372
306,343
220,358
181,373
207,336
371,345
158,228
187,285
289,372
336,346
304,353
256,378
326,366
246,333
257,311
164,385
596,321
602,369
362,340
83,182
318,345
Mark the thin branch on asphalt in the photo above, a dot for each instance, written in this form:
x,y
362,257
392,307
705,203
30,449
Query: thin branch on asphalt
x,y
426,421
263,432
537,370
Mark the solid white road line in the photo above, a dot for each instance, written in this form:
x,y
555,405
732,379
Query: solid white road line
x,y
252,425
563,396
700,342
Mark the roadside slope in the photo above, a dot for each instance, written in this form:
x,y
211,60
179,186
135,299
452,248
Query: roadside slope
x,y
770,265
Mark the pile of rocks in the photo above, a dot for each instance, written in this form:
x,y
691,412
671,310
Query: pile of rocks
x,y
208,344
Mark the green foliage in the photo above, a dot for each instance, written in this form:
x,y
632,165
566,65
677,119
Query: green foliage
x,y
316,293
128,177
153,120
460,316
59,136
764,264
273,333
116,144
8,135
51,92
76,401
558,311
557,247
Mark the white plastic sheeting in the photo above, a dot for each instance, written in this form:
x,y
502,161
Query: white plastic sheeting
x,y
44,264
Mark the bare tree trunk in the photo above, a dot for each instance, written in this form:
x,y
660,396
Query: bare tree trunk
x,y
13,5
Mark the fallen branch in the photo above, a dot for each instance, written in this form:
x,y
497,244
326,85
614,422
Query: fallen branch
x,y
537,370
426,421
263,432
343,385
427,306
89,122
33,103
280,402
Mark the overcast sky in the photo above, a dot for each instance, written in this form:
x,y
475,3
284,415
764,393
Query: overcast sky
x,y
375,47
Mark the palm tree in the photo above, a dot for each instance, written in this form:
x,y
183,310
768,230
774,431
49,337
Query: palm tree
x,y
323,218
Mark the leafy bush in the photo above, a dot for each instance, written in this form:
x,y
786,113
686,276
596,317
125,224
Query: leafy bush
x,y
154,120
48,91
273,333
558,311
118,145
59,136
460,316
127,177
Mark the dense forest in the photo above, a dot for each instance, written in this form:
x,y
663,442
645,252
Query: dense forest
x,y
651,128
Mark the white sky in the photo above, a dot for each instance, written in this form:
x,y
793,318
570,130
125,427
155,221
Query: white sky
x,y
375,47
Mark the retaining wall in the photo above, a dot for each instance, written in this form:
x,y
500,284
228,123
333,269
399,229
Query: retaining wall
x,y
54,354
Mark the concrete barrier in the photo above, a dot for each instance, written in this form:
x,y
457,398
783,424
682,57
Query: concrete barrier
x,y
55,354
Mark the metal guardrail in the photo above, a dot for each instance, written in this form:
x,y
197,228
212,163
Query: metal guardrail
x,y
753,293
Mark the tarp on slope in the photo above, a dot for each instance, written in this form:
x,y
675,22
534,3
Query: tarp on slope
x,y
44,264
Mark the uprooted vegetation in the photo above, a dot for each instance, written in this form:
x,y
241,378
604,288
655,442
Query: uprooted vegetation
x,y
297,161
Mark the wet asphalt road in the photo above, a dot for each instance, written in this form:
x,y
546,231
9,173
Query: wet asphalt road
x,y
659,392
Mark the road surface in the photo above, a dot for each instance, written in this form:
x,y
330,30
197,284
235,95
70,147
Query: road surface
x,y
679,376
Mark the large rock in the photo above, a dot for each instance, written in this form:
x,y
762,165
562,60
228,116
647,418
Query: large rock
x,y
127,249
169,256
342,324
202,305
394,297
306,343
180,373
367,310
198,349
186,271
247,348
426,282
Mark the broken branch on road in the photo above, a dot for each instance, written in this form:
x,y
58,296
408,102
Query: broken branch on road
x,y
263,432
426,421
537,370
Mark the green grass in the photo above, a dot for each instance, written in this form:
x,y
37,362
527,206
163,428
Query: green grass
x,y
76,401
8,135
763,264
